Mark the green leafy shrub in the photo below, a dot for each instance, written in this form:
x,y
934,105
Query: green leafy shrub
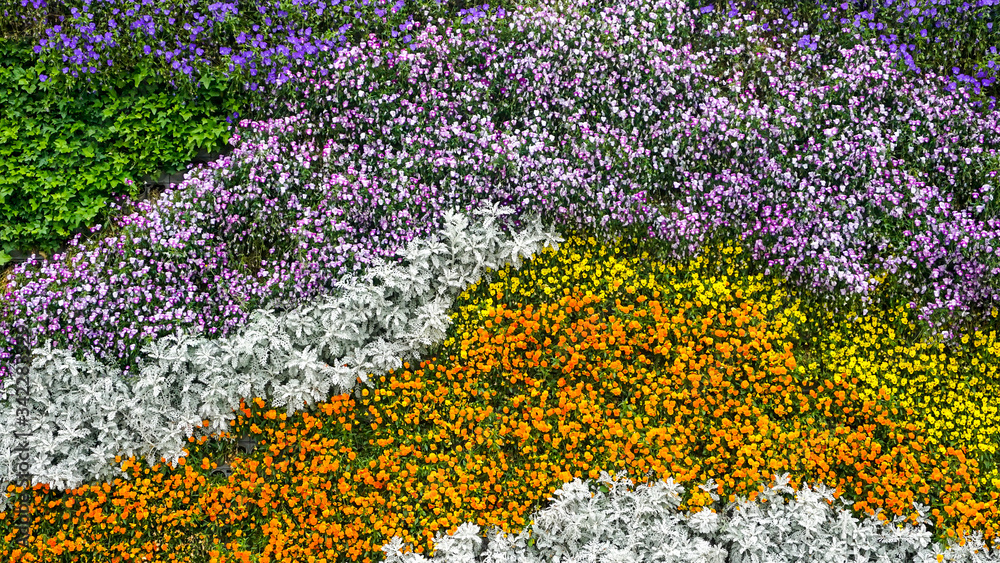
x,y
66,151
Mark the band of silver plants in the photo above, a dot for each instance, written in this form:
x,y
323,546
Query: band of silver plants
x,y
83,414
612,522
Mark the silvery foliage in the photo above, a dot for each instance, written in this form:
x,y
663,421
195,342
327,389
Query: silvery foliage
x,y
624,524
82,414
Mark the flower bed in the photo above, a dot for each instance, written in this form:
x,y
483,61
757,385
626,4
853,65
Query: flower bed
x,y
587,359
770,264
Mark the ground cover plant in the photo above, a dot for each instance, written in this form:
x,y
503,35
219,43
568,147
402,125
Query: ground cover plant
x,y
869,258
262,45
259,41
951,383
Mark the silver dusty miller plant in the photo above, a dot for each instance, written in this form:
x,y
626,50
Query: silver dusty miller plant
x,y
621,524
83,414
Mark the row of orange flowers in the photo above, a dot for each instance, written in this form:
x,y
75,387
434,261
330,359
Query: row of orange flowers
x,y
590,358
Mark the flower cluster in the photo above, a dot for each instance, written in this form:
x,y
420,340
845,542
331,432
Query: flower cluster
x,y
915,35
777,156
262,41
641,345
952,386
291,211
765,403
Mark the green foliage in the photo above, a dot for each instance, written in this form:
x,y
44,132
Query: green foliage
x,y
66,151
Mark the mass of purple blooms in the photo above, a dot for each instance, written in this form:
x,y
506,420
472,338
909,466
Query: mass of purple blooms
x,y
838,169
262,41
269,42
904,28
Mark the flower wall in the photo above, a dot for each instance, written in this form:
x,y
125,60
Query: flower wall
x,y
777,260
